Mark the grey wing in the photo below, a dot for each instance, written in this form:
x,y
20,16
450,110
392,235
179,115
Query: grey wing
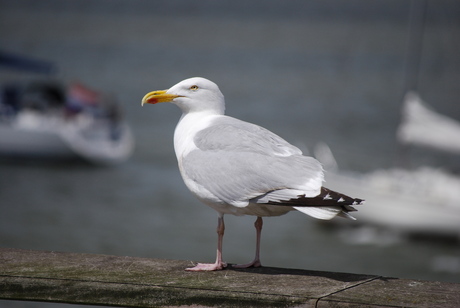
x,y
242,162
230,134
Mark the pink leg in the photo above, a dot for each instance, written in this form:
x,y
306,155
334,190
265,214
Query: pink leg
x,y
256,262
219,264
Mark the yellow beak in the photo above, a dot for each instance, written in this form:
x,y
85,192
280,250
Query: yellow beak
x,y
158,97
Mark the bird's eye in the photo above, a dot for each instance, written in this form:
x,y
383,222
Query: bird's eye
x,y
194,88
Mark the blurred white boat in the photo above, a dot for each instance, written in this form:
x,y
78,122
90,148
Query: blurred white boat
x,y
46,122
423,126
424,200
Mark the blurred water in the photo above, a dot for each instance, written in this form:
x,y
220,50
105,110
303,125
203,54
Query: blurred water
x,y
317,71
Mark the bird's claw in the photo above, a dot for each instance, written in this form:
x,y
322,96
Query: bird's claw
x,y
255,263
200,267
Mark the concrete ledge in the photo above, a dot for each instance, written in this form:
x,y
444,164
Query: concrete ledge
x,y
138,282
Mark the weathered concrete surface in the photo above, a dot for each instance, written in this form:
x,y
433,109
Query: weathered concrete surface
x,y
139,282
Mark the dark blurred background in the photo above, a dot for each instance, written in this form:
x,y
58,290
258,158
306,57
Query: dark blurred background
x,y
311,71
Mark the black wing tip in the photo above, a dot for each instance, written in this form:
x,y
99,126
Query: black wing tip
x,y
357,201
339,198
327,197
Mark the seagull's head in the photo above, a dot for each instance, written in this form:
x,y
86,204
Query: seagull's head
x,y
191,95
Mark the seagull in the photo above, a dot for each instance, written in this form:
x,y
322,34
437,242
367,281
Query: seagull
x,y
240,168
